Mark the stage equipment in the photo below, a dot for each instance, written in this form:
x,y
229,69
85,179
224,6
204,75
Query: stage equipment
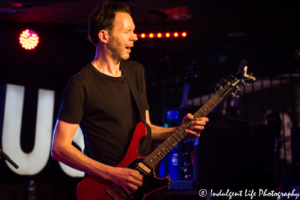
x,y
295,140
153,35
6,157
29,39
178,163
296,54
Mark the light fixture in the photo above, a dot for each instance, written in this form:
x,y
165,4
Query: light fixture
x,y
29,39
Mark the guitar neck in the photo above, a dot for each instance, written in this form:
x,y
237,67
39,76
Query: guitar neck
x,y
156,156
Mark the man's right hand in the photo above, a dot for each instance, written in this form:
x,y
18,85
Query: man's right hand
x,y
127,179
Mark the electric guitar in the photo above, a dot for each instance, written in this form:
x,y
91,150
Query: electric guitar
x,y
96,188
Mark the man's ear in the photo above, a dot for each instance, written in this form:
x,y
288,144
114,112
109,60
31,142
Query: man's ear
x,y
103,36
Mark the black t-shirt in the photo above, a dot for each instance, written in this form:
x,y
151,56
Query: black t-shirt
x,y
105,109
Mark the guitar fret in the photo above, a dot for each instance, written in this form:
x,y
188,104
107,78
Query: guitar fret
x,y
155,159
196,115
173,141
203,112
163,148
152,164
159,155
207,107
176,137
147,162
168,144
213,103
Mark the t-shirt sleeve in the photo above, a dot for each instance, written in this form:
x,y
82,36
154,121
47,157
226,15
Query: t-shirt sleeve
x,y
73,102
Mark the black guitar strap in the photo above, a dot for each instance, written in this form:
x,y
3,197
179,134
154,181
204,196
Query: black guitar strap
x,y
145,146
125,68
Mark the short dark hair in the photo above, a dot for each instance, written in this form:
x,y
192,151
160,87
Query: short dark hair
x,y
102,18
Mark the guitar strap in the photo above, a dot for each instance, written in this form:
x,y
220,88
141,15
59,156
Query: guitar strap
x,y
125,68
145,146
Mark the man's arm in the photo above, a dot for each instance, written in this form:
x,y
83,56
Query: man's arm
x,y
160,133
65,152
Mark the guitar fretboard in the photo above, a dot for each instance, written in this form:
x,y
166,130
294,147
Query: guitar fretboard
x,y
158,154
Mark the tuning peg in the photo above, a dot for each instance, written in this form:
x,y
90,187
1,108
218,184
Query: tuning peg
x,y
232,76
224,80
237,87
219,86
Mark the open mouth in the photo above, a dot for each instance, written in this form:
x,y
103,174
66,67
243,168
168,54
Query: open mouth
x,y
128,48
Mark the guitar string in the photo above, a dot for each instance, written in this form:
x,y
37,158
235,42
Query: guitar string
x,y
167,144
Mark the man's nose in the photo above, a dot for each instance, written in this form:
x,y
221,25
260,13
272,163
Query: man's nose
x,y
134,38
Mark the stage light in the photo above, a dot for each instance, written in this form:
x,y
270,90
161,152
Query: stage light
x,y
29,39
152,35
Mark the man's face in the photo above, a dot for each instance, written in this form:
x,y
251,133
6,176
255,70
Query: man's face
x,y
122,37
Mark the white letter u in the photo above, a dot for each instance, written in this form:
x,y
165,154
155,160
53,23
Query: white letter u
x,y
33,162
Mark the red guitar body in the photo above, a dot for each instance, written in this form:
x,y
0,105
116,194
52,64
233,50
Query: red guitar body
x,y
96,188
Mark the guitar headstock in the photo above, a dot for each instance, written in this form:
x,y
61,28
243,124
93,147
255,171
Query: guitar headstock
x,y
231,86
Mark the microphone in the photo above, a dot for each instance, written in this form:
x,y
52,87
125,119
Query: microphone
x,y
296,54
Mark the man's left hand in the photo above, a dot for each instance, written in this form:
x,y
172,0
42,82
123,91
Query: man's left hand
x,y
197,126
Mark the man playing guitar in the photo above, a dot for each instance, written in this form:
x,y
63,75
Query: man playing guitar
x,y
99,99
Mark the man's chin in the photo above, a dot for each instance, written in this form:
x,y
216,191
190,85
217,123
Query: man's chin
x,y
125,57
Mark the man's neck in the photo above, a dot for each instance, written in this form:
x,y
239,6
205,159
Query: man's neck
x,y
106,64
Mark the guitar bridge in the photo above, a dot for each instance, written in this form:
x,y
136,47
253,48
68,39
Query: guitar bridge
x,y
120,191
112,195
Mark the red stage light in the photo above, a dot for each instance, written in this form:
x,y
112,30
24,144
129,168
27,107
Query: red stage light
x,y
29,39
167,35
159,35
143,35
175,34
151,35
183,34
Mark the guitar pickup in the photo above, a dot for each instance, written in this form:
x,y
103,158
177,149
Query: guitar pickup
x,y
143,167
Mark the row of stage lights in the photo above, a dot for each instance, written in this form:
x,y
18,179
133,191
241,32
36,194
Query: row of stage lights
x,y
29,39
161,35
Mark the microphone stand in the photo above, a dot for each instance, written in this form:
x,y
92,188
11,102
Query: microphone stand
x,y
6,157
